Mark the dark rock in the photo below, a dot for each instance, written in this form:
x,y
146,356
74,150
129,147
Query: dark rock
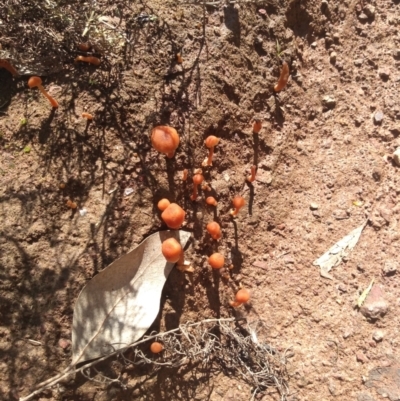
x,y
384,74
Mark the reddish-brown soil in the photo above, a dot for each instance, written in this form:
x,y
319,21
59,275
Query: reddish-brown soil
x,y
319,145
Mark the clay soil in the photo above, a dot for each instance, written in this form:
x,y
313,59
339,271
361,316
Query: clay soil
x,y
321,173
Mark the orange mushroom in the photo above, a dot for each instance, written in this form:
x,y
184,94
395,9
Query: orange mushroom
x,y
241,297
163,204
214,230
197,180
173,216
216,260
156,347
252,177
165,140
88,59
9,67
36,81
172,250
88,116
210,142
257,126
71,204
84,46
211,201
284,77
238,203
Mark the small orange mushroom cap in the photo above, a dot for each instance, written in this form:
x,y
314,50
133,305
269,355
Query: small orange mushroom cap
x,y
211,201
156,347
216,260
238,202
173,216
214,230
34,81
211,141
165,140
163,204
242,296
171,249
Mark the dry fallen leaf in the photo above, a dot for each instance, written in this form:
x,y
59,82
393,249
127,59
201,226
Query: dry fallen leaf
x,y
118,305
337,252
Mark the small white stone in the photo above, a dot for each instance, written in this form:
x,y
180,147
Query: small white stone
x,y
378,335
313,206
83,212
128,191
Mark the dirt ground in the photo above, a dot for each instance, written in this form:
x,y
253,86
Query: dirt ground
x,y
321,173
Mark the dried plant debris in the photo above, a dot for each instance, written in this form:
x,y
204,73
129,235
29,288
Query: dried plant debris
x,y
238,350
337,252
234,347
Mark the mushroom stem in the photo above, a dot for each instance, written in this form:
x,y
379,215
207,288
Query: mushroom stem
x,y
197,180
208,160
194,194
52,101
252,177
183,265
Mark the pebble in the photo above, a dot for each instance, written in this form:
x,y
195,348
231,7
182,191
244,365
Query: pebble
x,y
260,264
375,306
63,343
313,206
329,102
361,357
314,45
384,73
396,157
396,53
341,214
378,335
378,117
369,10
333,57
363,17
347,334
358,62
389,268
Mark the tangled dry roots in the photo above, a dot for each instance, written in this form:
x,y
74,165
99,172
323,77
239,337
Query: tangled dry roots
x,y
236,349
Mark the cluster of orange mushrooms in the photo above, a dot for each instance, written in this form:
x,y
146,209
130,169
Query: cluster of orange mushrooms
x,y
166,140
